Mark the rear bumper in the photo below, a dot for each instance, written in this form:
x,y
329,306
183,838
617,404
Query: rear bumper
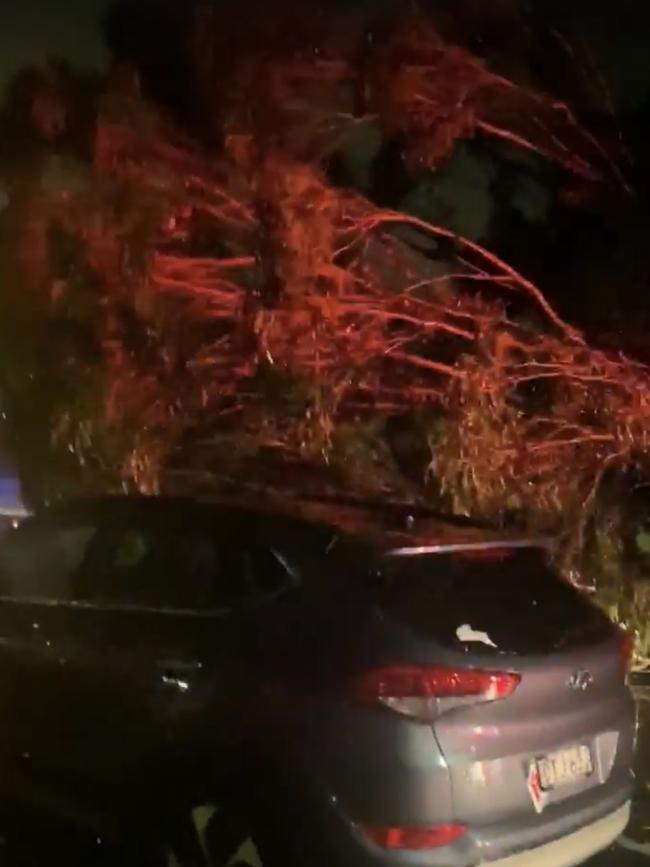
x,y
574,848
498,844
562,840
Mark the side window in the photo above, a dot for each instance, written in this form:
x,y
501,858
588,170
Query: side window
x,y
39,561
117,568
153,568
265,572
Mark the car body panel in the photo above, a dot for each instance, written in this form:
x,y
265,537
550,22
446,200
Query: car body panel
x,y
254,699
489,746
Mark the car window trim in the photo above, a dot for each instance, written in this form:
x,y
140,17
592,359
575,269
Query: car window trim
x,y
456,547
293,574
114,607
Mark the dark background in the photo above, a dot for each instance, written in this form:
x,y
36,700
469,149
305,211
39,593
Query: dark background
x,y
592,259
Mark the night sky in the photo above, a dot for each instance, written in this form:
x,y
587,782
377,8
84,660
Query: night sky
x,y
30,30
579,51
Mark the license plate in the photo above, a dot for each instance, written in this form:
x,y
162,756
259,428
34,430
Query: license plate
x,y
564,767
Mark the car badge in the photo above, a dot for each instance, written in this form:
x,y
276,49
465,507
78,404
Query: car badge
x,y
581,680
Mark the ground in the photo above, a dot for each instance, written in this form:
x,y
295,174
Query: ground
x,y
617,857
638,835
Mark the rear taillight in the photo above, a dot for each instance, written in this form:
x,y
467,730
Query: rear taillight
x,y
416,837
422,692
626,650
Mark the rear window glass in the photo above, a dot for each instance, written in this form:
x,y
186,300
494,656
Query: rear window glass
x,y
512,597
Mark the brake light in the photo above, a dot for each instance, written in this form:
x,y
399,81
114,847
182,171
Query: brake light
x,y
431,837
626,650
422,692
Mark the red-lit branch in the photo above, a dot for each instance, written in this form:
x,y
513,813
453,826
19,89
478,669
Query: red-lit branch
x,y
241,296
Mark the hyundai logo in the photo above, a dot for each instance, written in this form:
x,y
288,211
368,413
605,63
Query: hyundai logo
x,y
581,680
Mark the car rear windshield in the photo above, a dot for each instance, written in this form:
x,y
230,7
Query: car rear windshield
x,y
506,599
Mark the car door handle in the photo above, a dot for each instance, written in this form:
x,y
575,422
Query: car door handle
x,y
178,674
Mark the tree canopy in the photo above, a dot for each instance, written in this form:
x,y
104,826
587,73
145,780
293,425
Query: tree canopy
x,y
210,279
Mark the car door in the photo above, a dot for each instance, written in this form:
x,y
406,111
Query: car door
x,y
132,651
148,642
37,561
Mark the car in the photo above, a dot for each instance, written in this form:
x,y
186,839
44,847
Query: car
x,y
352,688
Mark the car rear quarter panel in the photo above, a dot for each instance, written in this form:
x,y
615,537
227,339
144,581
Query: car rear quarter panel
x,y
488,747
379,767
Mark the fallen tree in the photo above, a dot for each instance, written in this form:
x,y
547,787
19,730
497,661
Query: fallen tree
x,y
213,313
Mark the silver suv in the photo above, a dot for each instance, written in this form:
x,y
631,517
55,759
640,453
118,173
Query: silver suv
x,y
350,698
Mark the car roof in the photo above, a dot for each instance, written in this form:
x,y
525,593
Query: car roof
x,y
383,526
167,512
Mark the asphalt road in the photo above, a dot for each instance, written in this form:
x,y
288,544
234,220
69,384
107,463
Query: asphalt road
x,y
619,857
